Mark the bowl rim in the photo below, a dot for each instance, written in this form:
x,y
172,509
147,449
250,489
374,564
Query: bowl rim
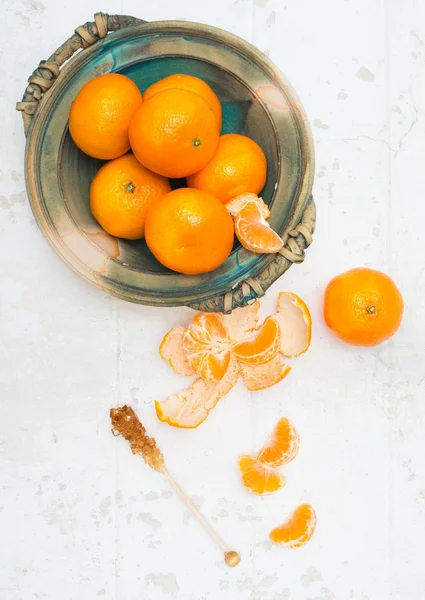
x,y
132,293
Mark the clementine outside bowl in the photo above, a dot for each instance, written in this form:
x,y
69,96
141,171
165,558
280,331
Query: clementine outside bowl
x,y
257,101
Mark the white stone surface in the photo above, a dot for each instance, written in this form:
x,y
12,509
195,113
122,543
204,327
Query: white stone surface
x,y
79,516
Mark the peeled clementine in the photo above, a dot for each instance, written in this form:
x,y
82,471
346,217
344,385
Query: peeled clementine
x,y
101,113
252,229
207,347
189,231
363,307
239,166
174,133
192,84
120,195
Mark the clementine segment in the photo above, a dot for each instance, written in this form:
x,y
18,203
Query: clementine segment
x,y
189,231
192,84
121,193
101,113
263,347
282,445
174,133
257,477
363,307
297,530
238,166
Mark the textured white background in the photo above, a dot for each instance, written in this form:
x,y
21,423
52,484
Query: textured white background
x,y
79,516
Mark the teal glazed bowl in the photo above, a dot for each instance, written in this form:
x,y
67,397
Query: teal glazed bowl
x,y
257,101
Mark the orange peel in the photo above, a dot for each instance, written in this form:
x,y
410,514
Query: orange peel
x,y
218,347
171,350
259,478
238,203
190,408
297,530
294,319
260,377
242,322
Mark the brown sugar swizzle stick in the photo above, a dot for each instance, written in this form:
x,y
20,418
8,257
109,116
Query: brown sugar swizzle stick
x,y
126,423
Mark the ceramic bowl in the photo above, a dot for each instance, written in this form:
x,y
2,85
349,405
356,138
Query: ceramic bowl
x,y
257,101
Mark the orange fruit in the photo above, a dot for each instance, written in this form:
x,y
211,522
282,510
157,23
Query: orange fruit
x,y
191,407
171,350
263,347
101,113
297,530
206,346
260,377
251,227
282,445
174,133
192,84
238,166
120,195
363,307
258,477
189,231
294,319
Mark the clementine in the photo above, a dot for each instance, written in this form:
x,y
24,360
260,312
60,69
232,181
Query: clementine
x,y
192,84
239,166
363,307
262,347
121,193
189,231
101,113
282,445
207,347
297,530
259,478
174,133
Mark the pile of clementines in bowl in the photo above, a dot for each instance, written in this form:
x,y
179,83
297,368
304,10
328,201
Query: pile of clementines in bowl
x,y
172,132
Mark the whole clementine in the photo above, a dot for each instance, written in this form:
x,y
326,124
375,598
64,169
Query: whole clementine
x,y
121,193
101,113
174,133
189,231
193,84
363,307
239,166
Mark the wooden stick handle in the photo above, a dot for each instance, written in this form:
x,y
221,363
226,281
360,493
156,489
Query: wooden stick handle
x,y
231,557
